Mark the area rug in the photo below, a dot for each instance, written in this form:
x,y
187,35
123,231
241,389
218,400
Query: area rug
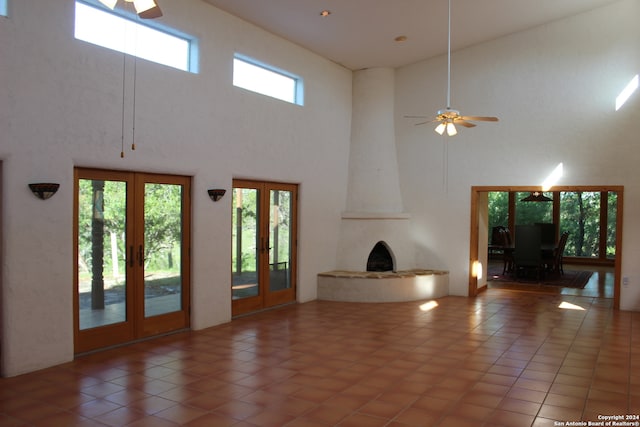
x,y
570,279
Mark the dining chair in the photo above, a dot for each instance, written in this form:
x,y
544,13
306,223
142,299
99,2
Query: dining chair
x,y
554,263
507,250
527,254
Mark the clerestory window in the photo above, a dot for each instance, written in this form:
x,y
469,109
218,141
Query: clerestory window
x,y
258,77
123,32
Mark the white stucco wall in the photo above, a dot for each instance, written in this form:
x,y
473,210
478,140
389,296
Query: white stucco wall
x,y
61,106
553,88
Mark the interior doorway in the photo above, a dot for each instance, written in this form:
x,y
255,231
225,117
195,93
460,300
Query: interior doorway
x,y
481,236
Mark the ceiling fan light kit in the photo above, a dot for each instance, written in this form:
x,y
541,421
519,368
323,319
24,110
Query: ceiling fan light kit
x,y
448,118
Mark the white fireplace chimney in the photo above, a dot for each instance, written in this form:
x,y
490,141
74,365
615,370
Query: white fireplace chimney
x,y
374,208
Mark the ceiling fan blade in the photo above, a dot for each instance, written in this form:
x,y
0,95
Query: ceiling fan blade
x,y
415,117
480,118
152,13
464,123
423,123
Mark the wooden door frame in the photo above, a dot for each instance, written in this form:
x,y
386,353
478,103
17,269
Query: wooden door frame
x,y
164,323
262,300
101,337
474,232
135,327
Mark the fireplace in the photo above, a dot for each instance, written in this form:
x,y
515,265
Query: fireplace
x,y
380,258
374,215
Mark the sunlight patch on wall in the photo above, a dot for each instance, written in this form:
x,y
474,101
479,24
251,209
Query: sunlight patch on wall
x,y
553,178
627,92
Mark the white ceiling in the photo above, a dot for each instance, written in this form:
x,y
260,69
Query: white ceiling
x,y
360,33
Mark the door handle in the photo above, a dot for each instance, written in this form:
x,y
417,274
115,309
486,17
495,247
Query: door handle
x,y
131,256
140,256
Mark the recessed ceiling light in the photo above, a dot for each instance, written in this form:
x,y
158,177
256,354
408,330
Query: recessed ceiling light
x,y
401,39
325,13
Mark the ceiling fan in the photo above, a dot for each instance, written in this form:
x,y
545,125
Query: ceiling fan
x,y
146,9
448,118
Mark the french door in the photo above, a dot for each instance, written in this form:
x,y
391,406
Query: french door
x,y
132,256
264,241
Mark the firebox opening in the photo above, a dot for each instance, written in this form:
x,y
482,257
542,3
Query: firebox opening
x,y
380,258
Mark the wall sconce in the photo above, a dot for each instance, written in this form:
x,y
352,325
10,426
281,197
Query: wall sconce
x,y
476,270
44,190
216,193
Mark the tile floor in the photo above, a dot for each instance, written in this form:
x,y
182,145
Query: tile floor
x,y
600,284
502,359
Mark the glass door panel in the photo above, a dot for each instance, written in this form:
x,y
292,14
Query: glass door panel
x,y
279,240
245,244
102,280
162,255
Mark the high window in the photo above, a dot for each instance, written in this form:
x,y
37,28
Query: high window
x,y
122,32
3,7
266,80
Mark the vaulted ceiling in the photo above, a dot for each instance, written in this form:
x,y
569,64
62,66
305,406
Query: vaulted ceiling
x,y
362,33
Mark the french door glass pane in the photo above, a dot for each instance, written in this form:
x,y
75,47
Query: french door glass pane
x,y
101,257
612,212
580,216
245,244
279,240
162,248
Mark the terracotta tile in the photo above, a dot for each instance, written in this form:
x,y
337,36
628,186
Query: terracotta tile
x,y
455,421
510,419
60,419
519,406
565,401
527,394
152,404
354,364
95,408
417,417
569,390
433,405
606,406
482,399
238,409
269,418
362,420
536,385
559,413
208,420
119,417
382,409
489,388
180,414
472,412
